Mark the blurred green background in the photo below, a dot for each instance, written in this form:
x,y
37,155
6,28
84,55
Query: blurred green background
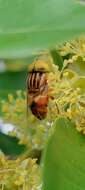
x,y
28,29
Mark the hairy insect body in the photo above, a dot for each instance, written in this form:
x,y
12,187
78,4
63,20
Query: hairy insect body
x,y
37,92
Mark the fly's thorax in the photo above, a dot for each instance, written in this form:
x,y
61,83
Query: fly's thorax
x,y
39,65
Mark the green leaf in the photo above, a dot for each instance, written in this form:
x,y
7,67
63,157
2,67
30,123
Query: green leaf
x,y
78,66
79,82
9,145
69,74
19,64
57,59
64,158
12,81
29,26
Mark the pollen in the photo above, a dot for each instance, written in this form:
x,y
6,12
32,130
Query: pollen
x,y
65,74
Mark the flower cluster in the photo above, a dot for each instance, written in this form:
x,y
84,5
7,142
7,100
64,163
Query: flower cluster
x,y
19,174
30,131
73,53
66,98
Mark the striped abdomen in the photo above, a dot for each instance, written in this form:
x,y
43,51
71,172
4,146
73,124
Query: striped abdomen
x,y
37,82
37,86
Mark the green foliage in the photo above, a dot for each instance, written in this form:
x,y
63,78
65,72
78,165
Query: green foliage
x,y
64,154
19,64
75,50
26,27
10,145
64,158
31,132
79,82
12,81
57,59
66,99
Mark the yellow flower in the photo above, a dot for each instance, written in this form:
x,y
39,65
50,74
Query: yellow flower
x,y
19,92
23,140
73,100
10,98
83,58
83,47
75,57
18,102
20,180
5,107
65,74
69,113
